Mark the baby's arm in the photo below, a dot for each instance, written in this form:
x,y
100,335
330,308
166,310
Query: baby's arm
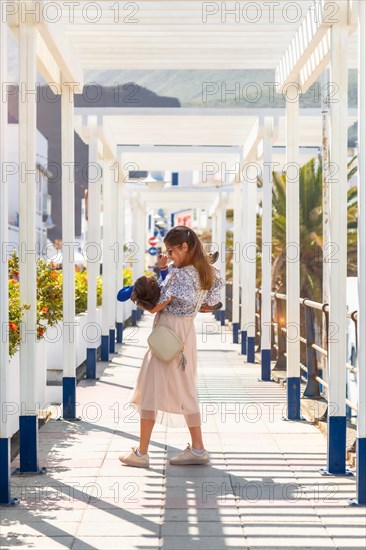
x,y
161,306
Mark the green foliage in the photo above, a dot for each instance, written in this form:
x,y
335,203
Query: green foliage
x,y
127,277
81,292
16,310
311,230
49,298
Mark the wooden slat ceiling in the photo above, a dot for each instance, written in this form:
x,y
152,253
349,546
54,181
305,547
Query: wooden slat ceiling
x,y
173,35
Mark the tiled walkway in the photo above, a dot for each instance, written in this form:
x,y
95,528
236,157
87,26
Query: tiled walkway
x,y
261,490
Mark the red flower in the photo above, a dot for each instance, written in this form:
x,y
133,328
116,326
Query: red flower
x,y
44,310
13,327
41,331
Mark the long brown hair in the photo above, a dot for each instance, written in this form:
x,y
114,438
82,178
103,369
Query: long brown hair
x,y
196,254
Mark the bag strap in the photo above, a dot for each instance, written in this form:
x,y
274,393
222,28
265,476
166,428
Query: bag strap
x,y
198,305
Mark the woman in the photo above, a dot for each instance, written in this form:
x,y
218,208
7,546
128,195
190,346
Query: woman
x,y
164,392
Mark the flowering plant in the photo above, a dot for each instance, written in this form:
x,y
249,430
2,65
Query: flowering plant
x,y
49,298
16,310
81,291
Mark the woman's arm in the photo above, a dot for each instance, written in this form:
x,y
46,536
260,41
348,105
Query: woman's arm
x,y
160,306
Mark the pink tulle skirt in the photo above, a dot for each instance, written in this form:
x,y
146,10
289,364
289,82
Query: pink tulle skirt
x,y
163,391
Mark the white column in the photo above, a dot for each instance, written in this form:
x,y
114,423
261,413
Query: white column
x,y
361,351
251,265
293,257
68,261
236,259
266,251
27,240
244,259
214,239
4,292
221,237
120,256
136,253
109,257
93,251
325,207
338,242
5,371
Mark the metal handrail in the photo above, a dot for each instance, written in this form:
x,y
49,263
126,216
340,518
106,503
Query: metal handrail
x,y
313,378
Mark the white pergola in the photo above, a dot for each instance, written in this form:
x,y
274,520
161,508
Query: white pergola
x,y
297,39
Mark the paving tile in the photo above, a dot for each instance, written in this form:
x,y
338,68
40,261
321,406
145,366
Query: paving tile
x,y
134,527
38,543
116,543
203,543
43,528
207,529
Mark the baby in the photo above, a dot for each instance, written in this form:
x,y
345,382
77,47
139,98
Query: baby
x,y
145,293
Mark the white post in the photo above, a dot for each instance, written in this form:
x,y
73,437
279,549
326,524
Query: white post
x,y
28,420
68,256
214,240
93,250
109,264
221,236
325,206
135,252
120,256
251,265
236,259
5,372
266,306
244,259
361,315
293,256
338,243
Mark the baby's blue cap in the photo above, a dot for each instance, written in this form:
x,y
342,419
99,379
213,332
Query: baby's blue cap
x,y
125,293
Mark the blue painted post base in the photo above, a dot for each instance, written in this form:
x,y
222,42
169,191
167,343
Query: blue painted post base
x,y
5,487
91,364
360,473
336,457
217,315
119,327
104,354
251,349
28,445
244,342
266,364
112,340
69,398
293,398
235,333
134,317
222,316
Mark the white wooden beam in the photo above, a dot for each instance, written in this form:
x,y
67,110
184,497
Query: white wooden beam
x,y
65,56
47,65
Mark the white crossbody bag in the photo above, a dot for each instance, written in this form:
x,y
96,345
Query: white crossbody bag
x,y
164,342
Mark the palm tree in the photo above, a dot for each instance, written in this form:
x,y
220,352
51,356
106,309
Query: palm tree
x,y
311,229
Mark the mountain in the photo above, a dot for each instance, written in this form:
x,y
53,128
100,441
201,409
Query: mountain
x,y
213,88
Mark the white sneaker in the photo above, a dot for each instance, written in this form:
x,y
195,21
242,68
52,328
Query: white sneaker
x,y
188,456
132,459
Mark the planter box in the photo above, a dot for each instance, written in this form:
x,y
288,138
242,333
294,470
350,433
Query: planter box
x,y
55,353
14,407
49,353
